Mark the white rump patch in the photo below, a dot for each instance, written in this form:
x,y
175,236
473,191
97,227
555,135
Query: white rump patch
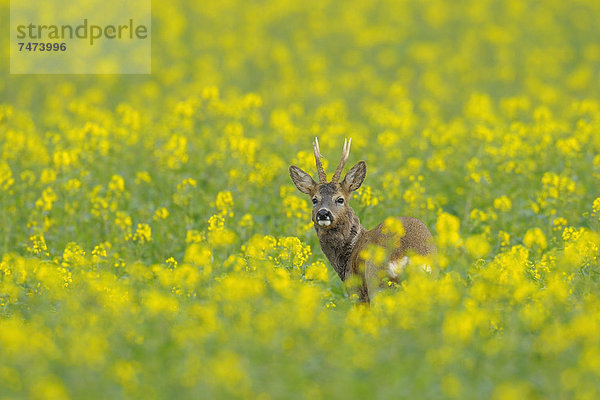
x,y
396,267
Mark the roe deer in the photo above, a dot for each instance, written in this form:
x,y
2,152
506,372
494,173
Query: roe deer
x,y
343,238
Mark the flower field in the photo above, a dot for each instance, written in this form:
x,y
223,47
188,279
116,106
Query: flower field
x,y
152,244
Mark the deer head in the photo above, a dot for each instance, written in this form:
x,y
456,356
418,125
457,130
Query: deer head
x,y
330,199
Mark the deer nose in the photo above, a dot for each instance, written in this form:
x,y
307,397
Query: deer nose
x,y
324,215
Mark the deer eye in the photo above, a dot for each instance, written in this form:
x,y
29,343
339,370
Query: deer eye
x,y
314,200
340,200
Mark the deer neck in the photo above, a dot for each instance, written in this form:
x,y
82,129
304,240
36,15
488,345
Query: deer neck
x,y
338,243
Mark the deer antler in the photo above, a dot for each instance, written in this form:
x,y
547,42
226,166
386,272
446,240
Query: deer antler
x,y
340,167
320,170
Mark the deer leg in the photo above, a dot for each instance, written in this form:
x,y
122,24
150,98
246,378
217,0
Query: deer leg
x,y
376,277
356,287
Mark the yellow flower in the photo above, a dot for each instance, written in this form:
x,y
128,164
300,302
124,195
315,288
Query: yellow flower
x,y
393,226
171,262
116,184
366,196
48,176
142,177
193,236
317,271
143,233
198,254
596,208
504,238
38,245
447,228
122,220
224,202
246,221
477,245
535,236
375,254
73,255
502,204
100,251
559,223
6,178
158,303
161,213
47,200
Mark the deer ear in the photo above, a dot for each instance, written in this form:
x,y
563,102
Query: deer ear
x,y
303,181
355,177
